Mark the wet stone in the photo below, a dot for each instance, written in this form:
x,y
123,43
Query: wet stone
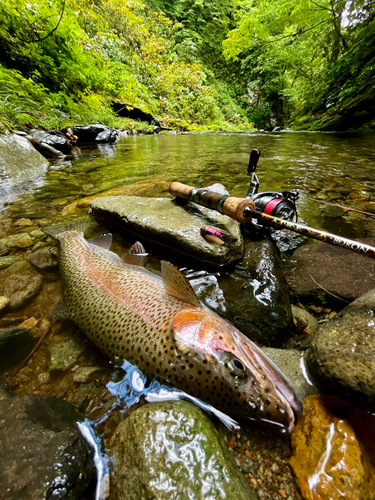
x,y
43,259
333,450
8,260
4,303
253,295
342,356
22,288
173,223
304,322
43,454
86,374
292,364
65,353
172,450
327,270
15,345
45,140
95,133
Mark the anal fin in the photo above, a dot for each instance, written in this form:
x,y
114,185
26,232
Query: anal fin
x,y
177,285
137,255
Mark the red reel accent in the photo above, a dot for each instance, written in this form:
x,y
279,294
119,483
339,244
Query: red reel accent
x,y
271,205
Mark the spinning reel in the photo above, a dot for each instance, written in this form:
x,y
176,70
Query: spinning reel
x,y
282,205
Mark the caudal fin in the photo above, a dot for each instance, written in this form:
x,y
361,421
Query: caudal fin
x,y
55,230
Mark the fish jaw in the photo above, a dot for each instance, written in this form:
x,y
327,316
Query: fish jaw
x,y
258,390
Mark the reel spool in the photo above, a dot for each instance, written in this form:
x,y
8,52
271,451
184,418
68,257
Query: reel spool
x,y
282,205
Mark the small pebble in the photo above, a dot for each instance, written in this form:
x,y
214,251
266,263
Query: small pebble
x,y
4,302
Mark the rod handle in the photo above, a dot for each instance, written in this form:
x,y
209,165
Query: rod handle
x,y
229,205
180,190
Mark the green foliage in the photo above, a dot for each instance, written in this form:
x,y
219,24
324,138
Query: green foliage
x,y
100,53
287,50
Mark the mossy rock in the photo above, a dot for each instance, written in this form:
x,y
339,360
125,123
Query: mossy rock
x,y
171,450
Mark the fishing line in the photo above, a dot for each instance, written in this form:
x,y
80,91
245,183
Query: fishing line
x,y
340,206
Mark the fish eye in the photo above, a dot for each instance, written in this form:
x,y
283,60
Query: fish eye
x,y
234,369
238,364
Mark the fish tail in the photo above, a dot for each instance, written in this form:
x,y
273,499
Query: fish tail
x,y
57,229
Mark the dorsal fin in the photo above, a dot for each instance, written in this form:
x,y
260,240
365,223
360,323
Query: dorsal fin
x,y
102,241
136,256
177,285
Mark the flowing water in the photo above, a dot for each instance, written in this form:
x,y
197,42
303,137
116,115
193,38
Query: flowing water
x,y
335,168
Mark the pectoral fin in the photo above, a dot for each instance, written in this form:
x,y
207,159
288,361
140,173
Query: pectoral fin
x,y
177,285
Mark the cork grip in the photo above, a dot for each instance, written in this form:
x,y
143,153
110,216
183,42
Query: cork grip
x,y
233,207
180,190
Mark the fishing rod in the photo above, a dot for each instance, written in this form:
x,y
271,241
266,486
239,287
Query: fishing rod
x,y
270,208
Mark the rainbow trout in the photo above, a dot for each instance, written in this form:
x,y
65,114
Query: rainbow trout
x,y
158,324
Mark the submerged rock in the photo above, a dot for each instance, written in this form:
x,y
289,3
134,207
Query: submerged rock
x,y
4,302
292,364
153,188
333,451
172,450
65,353
8,261
254,295
330,271
305,323
21,240
43,259
43,454
22,288
342,356
172,224
15,345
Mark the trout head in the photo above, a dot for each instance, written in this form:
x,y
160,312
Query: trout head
x,y
234,374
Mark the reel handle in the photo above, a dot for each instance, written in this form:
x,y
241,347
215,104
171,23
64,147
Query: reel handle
x,y
253,161
228,205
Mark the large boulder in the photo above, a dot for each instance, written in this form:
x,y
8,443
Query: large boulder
x,y
170,450
172,224
254,295
333,451
20,164
342,356
330,271
43,454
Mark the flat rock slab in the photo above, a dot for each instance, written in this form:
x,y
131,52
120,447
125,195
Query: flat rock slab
x,y
43,454
171,450
322,270
342,356
172,224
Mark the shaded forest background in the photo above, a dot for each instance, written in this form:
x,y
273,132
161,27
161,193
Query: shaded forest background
x,y
190,64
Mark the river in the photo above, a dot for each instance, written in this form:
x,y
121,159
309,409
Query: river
x,y
338,168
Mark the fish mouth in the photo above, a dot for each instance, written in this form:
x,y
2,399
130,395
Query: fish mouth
x,y
288,397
